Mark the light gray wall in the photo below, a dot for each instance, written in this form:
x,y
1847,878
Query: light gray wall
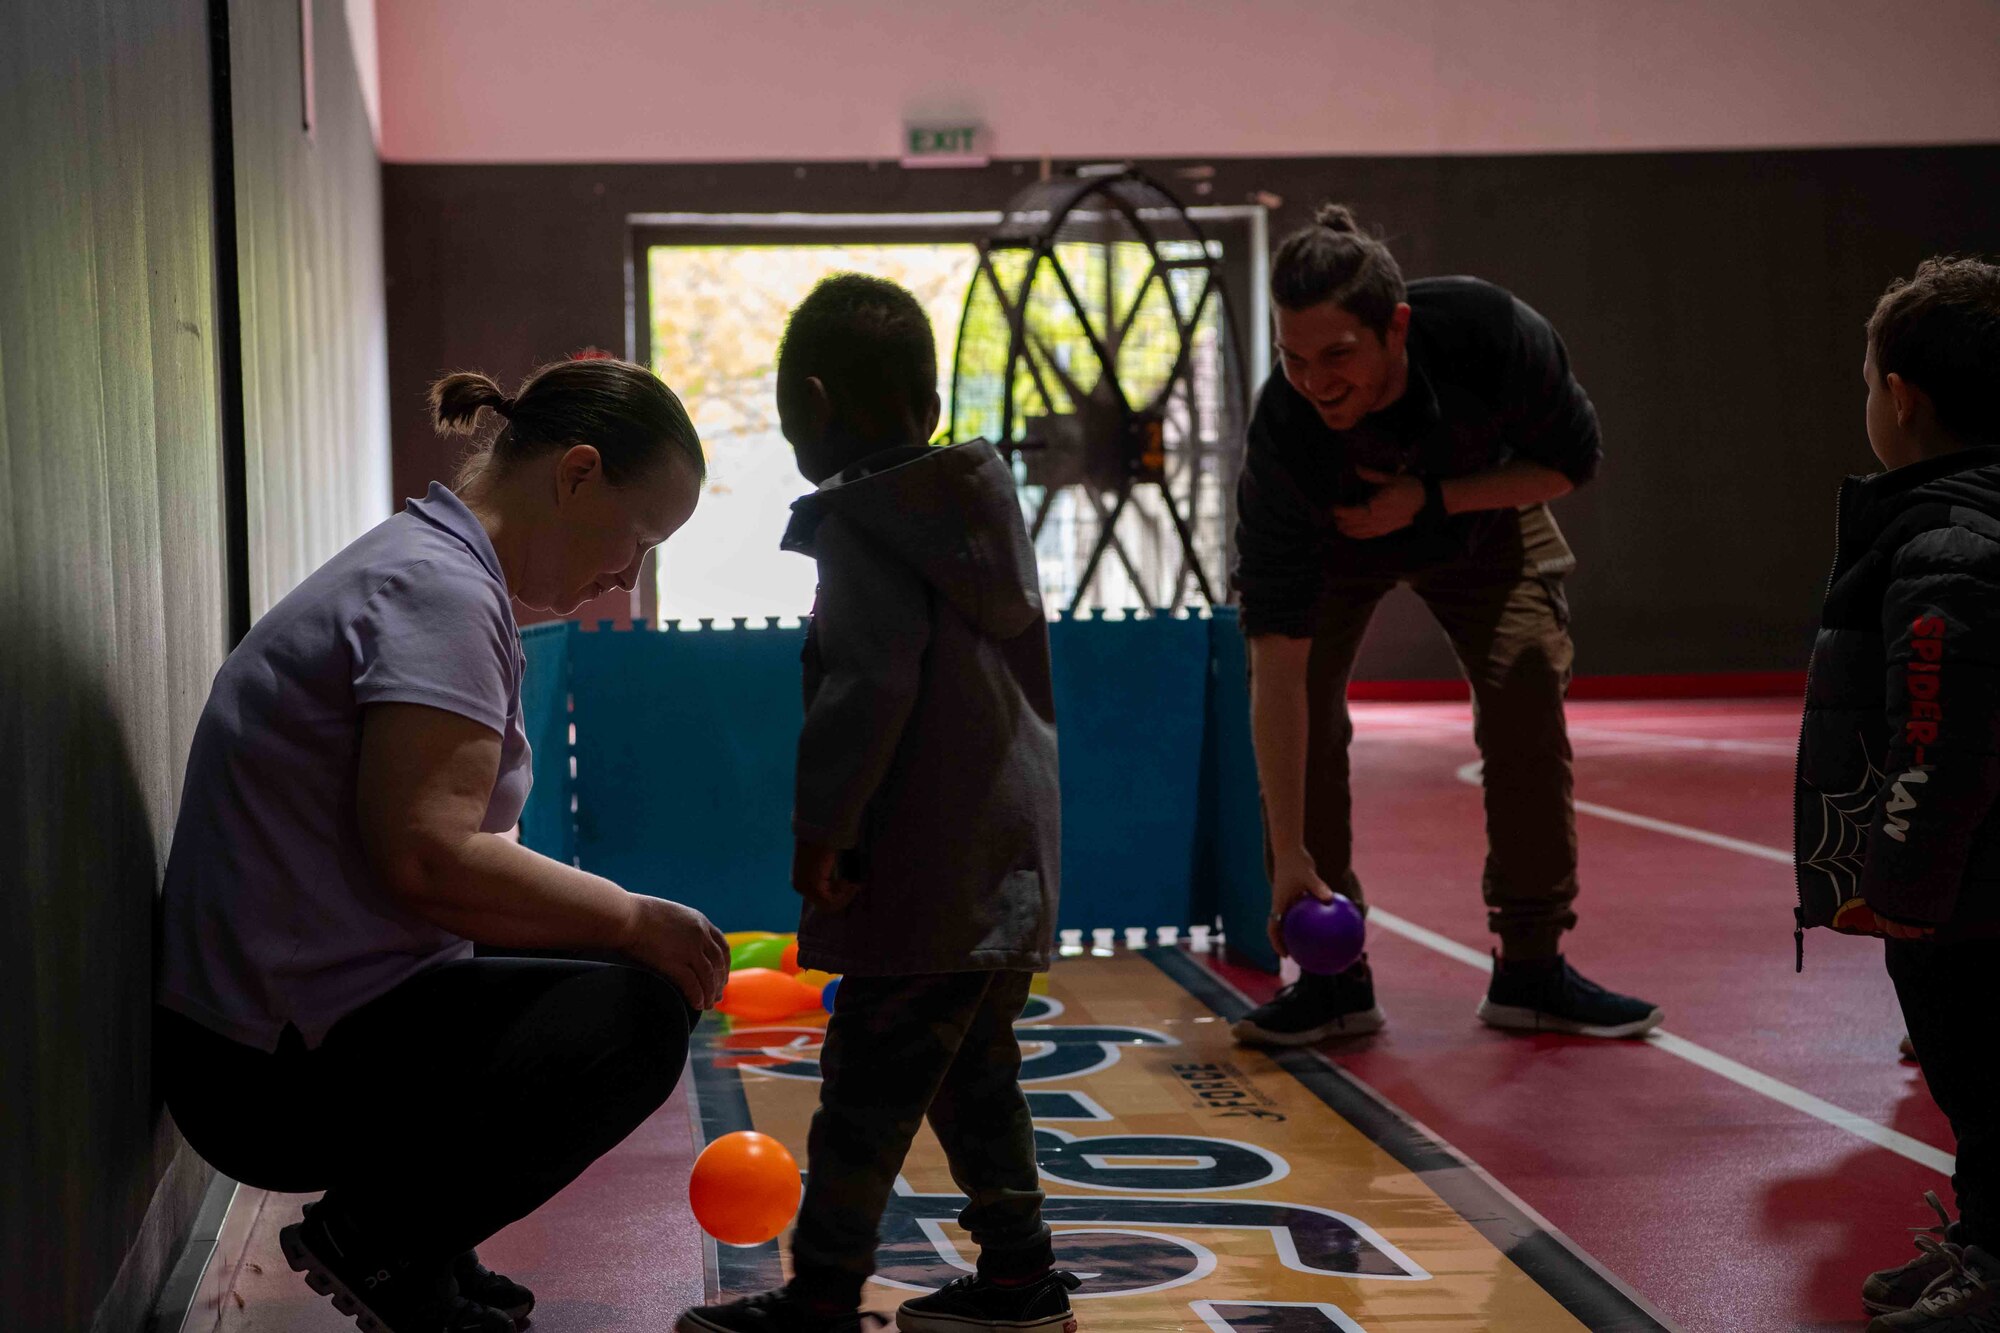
x,y
111,624
113,552
309,241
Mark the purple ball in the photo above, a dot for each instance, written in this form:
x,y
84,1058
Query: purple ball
x,y
1325,938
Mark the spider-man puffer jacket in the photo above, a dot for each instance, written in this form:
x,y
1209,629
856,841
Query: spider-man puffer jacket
x,y
1898,793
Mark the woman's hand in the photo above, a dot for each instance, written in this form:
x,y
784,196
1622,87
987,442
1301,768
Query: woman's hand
x,y
1294,877
681,945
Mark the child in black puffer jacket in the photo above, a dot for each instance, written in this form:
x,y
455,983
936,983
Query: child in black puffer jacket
x,y
1898,799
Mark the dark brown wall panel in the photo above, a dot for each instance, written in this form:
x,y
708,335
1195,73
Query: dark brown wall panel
x,y
1712,303
111,625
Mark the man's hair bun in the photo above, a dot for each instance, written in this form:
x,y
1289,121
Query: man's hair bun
x,y
1336,217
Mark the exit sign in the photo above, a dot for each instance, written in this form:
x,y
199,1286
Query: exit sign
x,y
944,146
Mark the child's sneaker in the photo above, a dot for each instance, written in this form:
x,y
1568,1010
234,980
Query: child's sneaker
x,y
772,1312
477,1282
972,1302
379,1294
1548,995
1966,1299
1895,1289
1315,1008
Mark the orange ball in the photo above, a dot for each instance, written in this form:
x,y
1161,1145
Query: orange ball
x,y
744,1188
763,995
788,962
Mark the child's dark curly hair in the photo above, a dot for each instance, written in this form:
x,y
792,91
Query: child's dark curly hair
x,y
1940,330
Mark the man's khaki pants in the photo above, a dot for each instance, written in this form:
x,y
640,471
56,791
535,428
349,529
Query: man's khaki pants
x,y
1502,607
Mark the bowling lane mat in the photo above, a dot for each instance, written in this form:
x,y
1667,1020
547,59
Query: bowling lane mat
x,y
1193,1183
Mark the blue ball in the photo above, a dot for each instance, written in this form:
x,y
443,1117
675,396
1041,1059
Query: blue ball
x,y
827,992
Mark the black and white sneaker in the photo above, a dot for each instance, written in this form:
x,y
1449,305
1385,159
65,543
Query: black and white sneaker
x,y
1964,1299
1315,1008
972,1302
1899,1288
477,1282
1548,995
779,1311
380,1294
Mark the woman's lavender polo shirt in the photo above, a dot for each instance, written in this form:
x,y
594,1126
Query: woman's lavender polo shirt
x,y
272,912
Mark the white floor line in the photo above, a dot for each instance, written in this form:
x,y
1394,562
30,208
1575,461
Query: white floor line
x,y
1587,732
1782,749
1923,1154
1740,1074
1469,773
1778,854
1714,1062
1860,1126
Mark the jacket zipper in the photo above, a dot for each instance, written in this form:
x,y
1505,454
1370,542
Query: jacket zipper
x,y
1799,757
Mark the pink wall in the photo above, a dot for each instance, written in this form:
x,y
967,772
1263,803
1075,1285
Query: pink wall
x,y
726,80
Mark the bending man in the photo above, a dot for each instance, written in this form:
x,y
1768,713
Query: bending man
x,y
1415,434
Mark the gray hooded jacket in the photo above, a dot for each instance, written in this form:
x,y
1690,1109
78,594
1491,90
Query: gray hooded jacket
x,y
929,747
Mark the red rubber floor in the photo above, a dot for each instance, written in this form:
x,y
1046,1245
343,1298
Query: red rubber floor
x,y
1728,1210
616,1250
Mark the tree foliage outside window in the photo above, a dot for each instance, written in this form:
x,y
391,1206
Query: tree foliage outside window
x,y
718,312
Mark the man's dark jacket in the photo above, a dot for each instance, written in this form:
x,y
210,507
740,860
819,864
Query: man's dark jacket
x,y
1489,381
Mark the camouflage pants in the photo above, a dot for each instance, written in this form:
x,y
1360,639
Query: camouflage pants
x,y
899,1049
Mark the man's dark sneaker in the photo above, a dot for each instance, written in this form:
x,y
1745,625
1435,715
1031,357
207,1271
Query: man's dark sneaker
x,y
1964,1299
777,1311
1548,995
973,1302
1315,1008
380,1294
477,1282
1895,1289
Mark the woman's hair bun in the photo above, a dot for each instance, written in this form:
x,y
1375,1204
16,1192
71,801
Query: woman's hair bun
x,y
456,400
1336,217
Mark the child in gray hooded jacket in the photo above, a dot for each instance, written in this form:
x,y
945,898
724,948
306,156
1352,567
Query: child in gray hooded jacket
x,y
926,822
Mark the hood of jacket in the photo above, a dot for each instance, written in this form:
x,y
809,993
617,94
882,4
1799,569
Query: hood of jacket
x,y
953,515
1871,505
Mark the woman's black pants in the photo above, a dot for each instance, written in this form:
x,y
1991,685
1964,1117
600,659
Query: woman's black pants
x,y
435,1115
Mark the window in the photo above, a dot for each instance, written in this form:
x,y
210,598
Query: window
x,y
711,295
717,312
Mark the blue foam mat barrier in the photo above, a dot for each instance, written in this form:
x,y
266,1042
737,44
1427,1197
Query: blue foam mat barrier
x,y
547,824
684,749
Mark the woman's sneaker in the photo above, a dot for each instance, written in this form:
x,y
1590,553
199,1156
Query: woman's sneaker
x,y
1315,1008
477,1282
972,1303
1548,995
778,1311
378,1293
1895,1289
1965,1299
